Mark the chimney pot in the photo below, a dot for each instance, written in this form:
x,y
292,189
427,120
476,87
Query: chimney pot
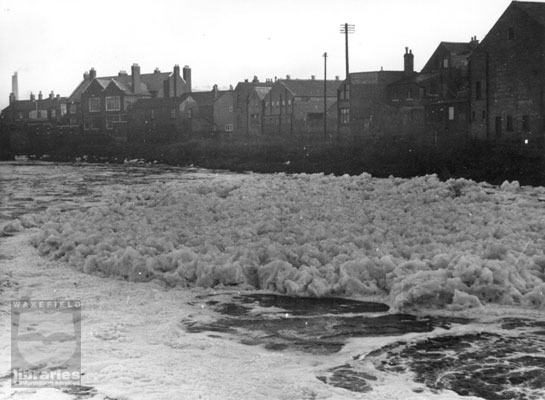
x,y
157,71
92,73
51,95
40,96
336,77
288,77
313,77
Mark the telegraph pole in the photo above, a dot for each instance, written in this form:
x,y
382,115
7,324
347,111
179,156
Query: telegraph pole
x,y
325,95
346,29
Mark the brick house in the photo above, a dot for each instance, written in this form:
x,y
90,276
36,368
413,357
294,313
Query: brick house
x,y
507,73
242,93
103,102
423,108
296,106
162,119
216,110
256,109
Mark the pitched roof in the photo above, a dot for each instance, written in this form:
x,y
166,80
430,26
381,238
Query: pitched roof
x,y
457,48
312,87
29,105
533,9
148,83
208,98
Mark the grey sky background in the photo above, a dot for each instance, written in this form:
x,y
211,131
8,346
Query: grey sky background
x,y
52,43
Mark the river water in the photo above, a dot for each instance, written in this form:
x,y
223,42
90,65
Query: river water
x,y
151,338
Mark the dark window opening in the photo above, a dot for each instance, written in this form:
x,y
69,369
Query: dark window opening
x,y
509,127
478,91
473,116
525,123
498,126
483,115
511,33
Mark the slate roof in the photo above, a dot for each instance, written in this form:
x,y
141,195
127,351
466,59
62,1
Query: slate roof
x,y
148,83
457,48
207,98
29,105
312,87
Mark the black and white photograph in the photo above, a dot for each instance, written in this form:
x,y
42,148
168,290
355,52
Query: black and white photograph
x,y
286,200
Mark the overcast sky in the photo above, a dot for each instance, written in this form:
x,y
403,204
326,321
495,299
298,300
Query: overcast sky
x,y
52,43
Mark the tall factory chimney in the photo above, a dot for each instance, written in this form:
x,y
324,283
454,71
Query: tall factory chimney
x,y
15,86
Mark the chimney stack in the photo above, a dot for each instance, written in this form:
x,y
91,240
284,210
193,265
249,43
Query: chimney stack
x,y
215,91
157,71
32,97
186,75
288,77
408,61
15,86
40,97
336,77
313,77
473,42
92,73
85,75
11,98
135,75
176,75
51,95
255,80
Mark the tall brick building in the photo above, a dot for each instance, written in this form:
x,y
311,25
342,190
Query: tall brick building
x,y
507,73
103,102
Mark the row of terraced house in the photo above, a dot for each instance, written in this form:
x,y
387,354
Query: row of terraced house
x,y
492,90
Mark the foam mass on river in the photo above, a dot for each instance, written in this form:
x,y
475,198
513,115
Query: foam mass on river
x,y
413,243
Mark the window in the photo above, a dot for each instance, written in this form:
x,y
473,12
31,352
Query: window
x,y
289,102
451,113
345,116
152,114
525,123
230,109
395,96
509,127
483,115
173,113
110,119
63,109
90,123
478,92
409,94
72,108
190,113
347,92
445,62
53,113
19,115
498,126
473,116
511,33
113,103
283,102
94,104
228,127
